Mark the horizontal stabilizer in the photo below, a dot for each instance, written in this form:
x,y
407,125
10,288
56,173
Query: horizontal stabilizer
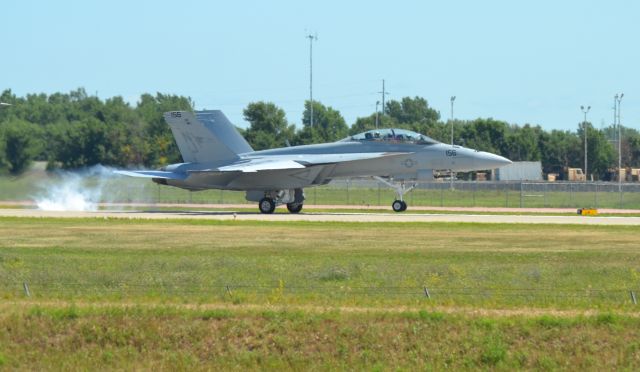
x,y
153,174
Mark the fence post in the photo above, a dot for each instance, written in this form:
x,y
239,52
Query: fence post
x,y
426,293
571,194
25,285
633,297
506,192
521,196
475,188
348,184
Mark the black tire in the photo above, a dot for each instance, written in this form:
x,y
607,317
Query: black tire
x,y
398,206
267,205
404,206
294,207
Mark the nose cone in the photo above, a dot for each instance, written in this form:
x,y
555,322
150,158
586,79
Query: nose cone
x,y
487,160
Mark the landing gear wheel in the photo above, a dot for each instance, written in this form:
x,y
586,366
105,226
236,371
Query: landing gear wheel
x,y
294,207
399,206
267,205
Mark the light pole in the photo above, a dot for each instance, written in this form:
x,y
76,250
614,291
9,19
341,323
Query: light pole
x,y
311,39
453,98
377,103
618,98
585,129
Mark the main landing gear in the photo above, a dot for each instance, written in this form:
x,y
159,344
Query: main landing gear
x,y
294,200
398,205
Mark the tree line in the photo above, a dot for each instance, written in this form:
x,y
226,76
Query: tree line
x,y
75,129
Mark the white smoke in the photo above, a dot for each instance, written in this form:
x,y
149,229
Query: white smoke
x,y
75,190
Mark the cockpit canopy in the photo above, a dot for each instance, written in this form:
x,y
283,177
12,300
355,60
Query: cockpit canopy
x,y
392,135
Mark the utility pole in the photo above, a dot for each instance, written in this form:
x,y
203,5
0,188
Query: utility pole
x,y
384,93
616,108
311,38
453,98
585,129
377,103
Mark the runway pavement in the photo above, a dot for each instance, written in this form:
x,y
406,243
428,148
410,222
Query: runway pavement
x,y
335,217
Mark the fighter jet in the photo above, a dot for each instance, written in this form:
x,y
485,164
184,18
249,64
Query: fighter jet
x,y
216,156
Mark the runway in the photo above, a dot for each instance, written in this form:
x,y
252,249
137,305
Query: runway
x,y
230,215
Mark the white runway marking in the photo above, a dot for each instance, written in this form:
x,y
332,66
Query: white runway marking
x,y
330,217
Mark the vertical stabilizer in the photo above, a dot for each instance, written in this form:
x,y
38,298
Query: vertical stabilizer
x,y
206,136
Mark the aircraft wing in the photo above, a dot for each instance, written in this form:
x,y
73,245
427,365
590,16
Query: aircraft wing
x,y
318,159
260,164
153,174
271,163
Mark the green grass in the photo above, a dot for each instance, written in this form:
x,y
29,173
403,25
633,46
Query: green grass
x,y
321,263
191,294
173,338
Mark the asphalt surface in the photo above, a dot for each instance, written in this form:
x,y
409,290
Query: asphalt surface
x,y
335,217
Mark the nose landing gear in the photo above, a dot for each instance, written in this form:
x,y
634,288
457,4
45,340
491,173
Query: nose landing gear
x,y
398,205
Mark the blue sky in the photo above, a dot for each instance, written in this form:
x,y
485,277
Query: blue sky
x,y
523,62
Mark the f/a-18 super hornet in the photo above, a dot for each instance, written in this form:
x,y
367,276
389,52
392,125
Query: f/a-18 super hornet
x,y
216,156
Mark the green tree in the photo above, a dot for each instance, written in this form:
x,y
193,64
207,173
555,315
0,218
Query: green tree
x,y
633,151
82,143
328,125
21,144
600,152
125,132
521,143
485,135
268,126
412,111
415,114
558,150
162,148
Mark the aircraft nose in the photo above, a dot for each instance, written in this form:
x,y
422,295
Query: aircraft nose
x,y
487,160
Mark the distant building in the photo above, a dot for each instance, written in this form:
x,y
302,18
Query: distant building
x,y
518,171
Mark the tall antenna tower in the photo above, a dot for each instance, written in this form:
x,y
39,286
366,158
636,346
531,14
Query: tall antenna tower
x,y
311,38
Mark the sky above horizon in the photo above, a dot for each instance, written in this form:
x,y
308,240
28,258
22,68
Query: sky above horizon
x,y
521,62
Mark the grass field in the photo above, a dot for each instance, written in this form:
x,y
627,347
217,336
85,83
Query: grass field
x,y
186,294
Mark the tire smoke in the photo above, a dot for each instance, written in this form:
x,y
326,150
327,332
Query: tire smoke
x,y
80,190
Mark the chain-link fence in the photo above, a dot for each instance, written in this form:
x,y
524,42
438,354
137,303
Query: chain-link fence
x,y
513,194
363,192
